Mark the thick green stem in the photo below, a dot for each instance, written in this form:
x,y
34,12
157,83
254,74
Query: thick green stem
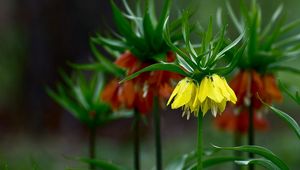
x,y
136,143
251,135
92,146
156,122
200,141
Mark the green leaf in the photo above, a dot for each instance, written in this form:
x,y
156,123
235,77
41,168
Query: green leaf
x,y
98,87
286,118
67,104
274,18
237,24
148,29
186,36
259,151
102,164
219,18
290,26
284,68
209,162
177,164
218,160
160,26
90,67
287,41
183,162
111,43
296,97
122,24
185,56
232,65
252,35
230,46
79,94
108,65
155,67
262,162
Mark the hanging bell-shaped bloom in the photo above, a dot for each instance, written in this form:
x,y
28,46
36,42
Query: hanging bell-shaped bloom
x,y
212,94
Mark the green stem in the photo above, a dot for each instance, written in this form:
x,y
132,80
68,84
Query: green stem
x,y
200,141
158,149
251,135
92,146
136,143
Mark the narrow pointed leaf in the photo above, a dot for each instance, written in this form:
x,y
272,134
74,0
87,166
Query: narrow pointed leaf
x,y
111,43
218,160
259,151
237,24
285,68
163,17
274,18
102,164
156,67
108,65
232,65
92,66
286,118
295,97
262,162
231,45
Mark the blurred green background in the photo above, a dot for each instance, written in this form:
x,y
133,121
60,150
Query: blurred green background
x,y
37,37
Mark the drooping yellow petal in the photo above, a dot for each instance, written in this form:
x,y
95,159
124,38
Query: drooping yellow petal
x,y
205,106
213,92
219,82
175,91
222,106
203,92
233,97
184,94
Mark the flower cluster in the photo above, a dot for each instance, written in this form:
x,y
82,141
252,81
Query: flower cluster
x,y
212,94
268,47
249,85
139,93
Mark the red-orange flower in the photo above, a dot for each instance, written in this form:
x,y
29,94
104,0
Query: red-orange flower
x,y
239,122
247,84
139,92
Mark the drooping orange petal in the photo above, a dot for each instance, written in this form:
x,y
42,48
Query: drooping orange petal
x,y
240,85
144,102
239,122
165,90
127,94
271,88
110,92
126,60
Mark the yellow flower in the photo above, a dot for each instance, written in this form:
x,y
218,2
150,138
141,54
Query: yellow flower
x,y
212,94
184,94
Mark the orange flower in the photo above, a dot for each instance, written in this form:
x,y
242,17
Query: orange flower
x,y
247,84
239,123
139,92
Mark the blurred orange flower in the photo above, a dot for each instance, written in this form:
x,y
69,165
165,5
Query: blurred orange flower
x,y
247,84
139,92
239,122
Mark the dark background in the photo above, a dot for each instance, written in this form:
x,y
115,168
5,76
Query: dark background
x,y
38,37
